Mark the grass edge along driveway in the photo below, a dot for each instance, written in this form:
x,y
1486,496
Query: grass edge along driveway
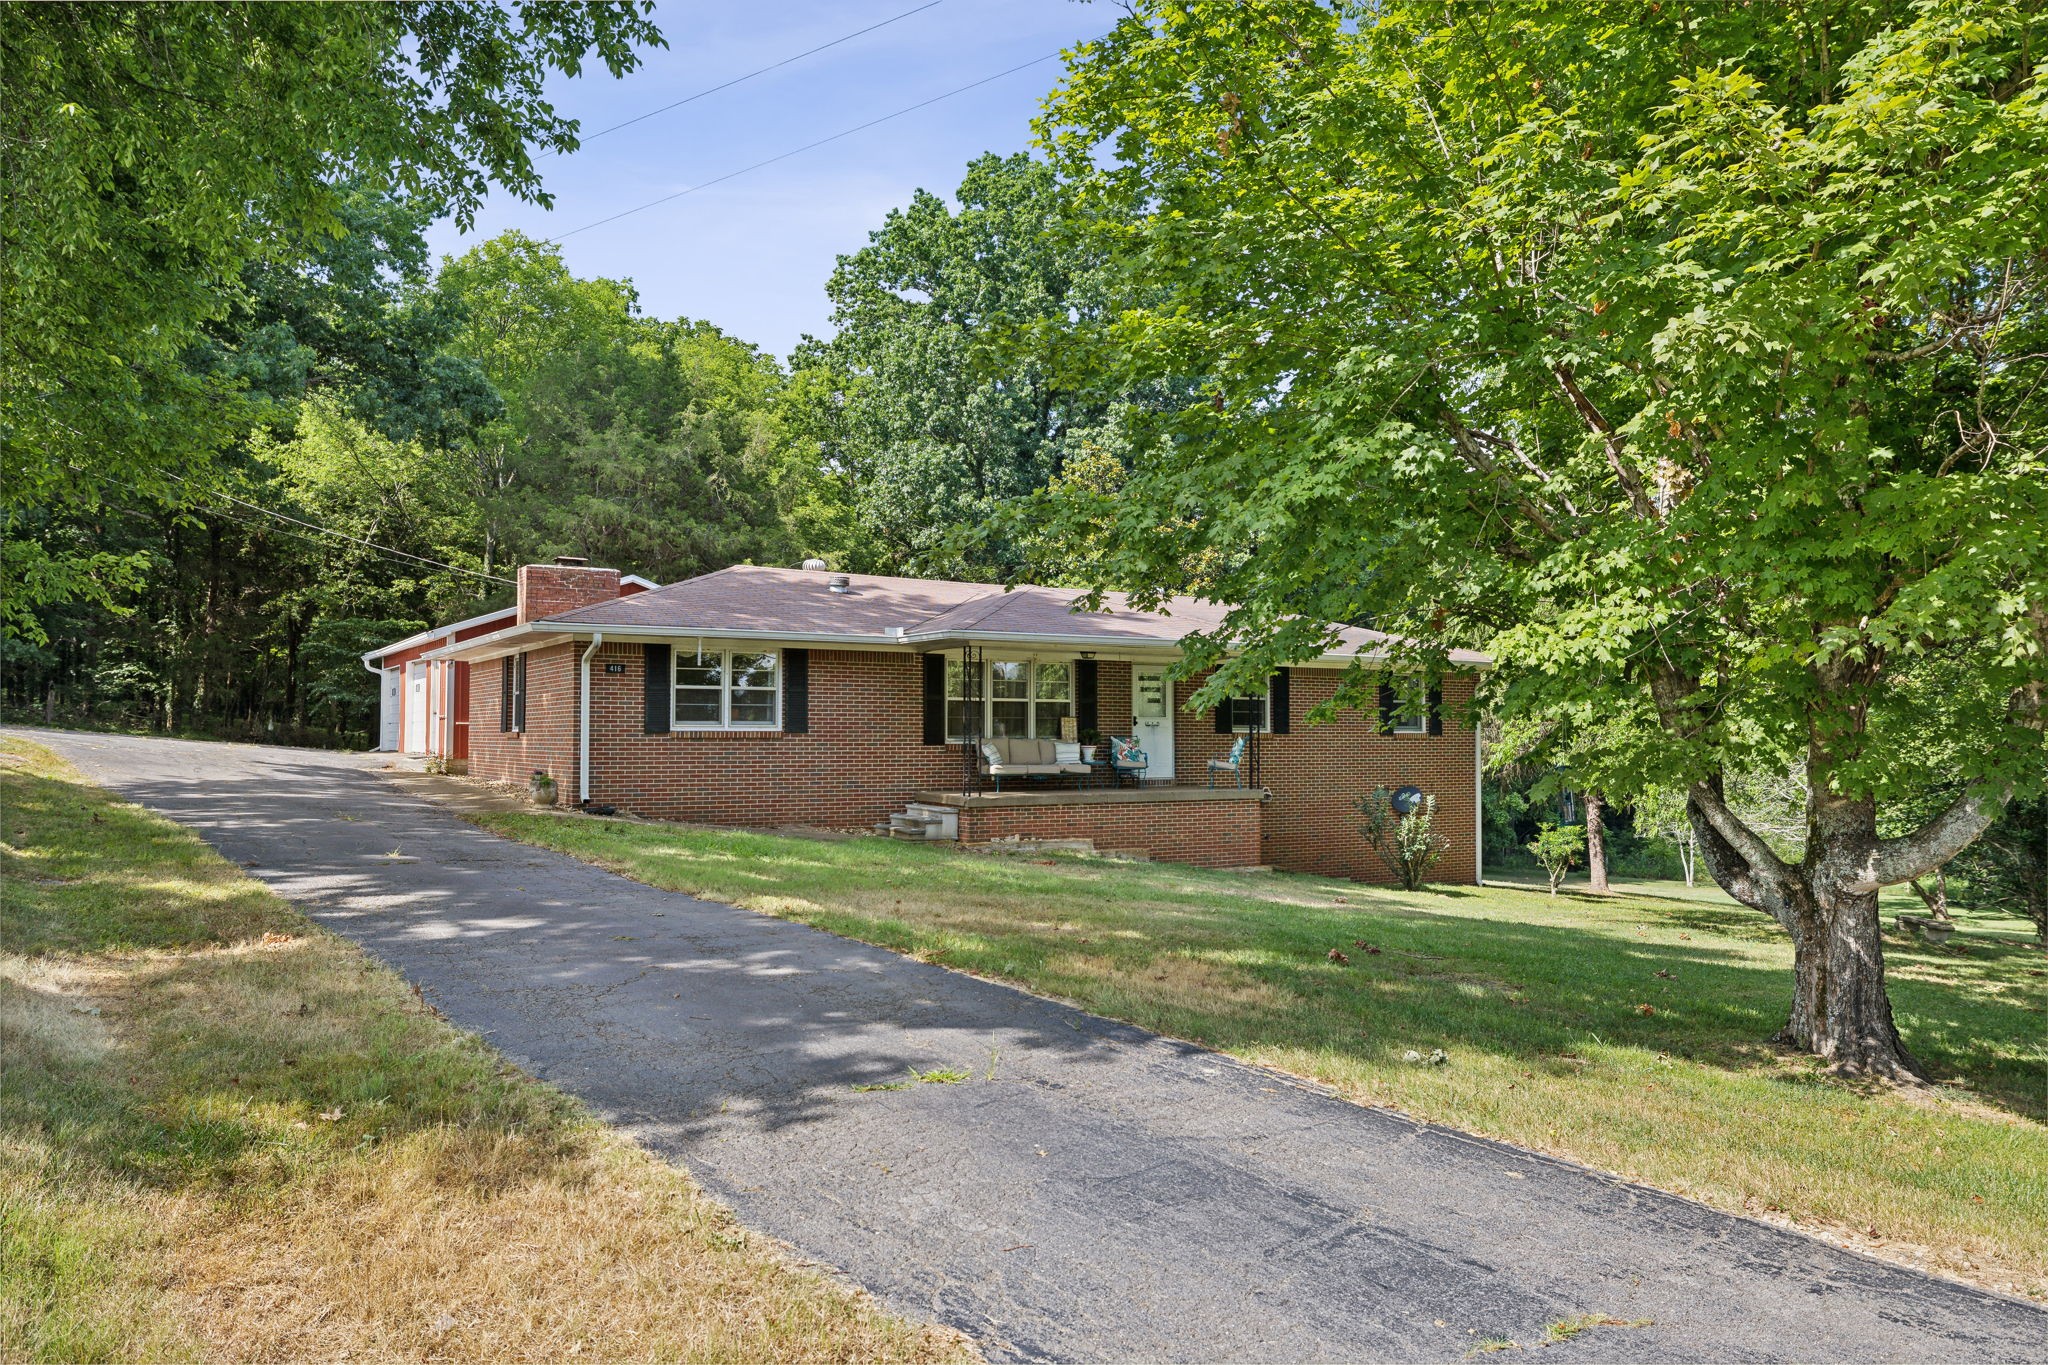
x,y
226,1133
1627,1033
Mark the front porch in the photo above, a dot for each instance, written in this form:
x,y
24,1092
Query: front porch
x,y
1209,827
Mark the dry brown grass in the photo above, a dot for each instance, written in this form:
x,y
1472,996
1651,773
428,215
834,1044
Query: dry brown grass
x,y
269,1149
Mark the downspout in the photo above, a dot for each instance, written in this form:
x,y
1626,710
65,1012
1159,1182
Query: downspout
x,y
379,670
583,723
1478,810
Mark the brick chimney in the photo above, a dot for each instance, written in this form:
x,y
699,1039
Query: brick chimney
x,y
566,584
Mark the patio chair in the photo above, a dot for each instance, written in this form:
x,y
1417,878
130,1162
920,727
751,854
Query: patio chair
x,y
1234,764
1127,759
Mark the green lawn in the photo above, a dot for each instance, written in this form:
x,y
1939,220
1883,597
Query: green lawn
x,y
1627,1032
226,1134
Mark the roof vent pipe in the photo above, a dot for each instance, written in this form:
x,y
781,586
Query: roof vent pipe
x,y
840,583
814,566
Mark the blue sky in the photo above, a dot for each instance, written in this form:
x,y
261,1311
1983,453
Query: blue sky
x,y
752,255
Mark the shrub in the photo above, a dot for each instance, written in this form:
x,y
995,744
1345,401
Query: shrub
x,y
1407,844
1558,849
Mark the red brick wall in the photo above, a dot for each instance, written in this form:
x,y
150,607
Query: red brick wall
x,y
549,740
1205,833
1318,773
864,756
545,589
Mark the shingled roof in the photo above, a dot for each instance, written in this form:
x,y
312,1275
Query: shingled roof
x,y
756,601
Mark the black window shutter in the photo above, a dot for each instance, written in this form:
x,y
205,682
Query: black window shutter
x,y
519,693
1087,682
658,683
1277,695
1223,716
505,694
935,699
1386,708
796,691
1436,710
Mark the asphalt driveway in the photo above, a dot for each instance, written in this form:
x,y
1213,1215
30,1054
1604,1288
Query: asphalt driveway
x,y
1094,1192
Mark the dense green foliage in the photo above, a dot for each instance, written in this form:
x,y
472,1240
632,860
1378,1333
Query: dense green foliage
x,y
1687,357
943,395
410,438
157,154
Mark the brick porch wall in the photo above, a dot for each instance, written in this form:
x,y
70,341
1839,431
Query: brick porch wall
x,y
1318,773
1205,833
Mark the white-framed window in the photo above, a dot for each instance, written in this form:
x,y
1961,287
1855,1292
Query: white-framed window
x,y
1019,699
1248,714
1411,708
727,689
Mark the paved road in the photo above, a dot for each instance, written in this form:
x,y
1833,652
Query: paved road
x,y
1106,1195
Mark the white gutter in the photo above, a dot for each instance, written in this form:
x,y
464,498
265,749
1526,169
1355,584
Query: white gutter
x,y
529,636
421,637
583,723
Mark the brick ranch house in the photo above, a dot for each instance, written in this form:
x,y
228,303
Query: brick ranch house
x,y
759,696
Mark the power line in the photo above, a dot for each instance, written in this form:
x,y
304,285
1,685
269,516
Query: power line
x,y
808,146
772,66
330,531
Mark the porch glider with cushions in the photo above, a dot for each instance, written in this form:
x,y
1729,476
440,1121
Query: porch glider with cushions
x,y
1018,757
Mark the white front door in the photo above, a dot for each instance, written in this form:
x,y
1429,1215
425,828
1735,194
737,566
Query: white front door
x,y
416,709
1152,721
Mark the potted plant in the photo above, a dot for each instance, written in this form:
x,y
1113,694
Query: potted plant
x,y
1089,739
542,788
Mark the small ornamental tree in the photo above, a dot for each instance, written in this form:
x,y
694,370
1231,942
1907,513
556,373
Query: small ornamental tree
x,y
1661,811
1688,358
1558,849
1408,844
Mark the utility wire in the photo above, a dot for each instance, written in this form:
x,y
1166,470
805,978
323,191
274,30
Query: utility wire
x,y
762,71
330,531
808,146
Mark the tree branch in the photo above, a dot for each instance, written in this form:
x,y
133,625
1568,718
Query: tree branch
x,y
1913,855
1746,842
1727,867
1614,443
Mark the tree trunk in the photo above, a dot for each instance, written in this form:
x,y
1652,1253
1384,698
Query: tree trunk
x,y
1936,900
1596,840
1840,1011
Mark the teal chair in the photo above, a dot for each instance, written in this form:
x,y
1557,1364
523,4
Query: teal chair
x,y
1127,759
1234,765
